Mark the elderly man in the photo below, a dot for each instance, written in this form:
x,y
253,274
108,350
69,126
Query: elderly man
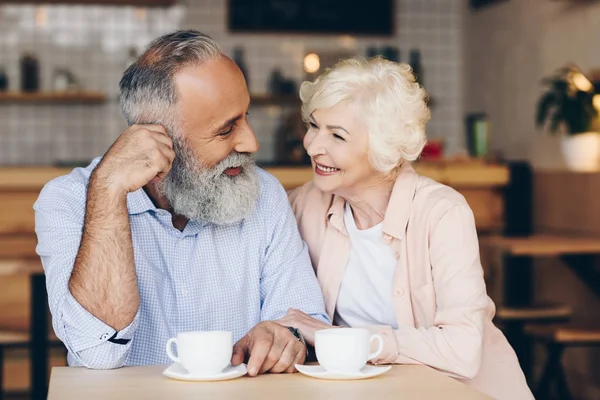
x,y
174,229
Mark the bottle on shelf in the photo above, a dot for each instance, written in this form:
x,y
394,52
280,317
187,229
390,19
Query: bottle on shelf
x,y
132,57
414,59
371,52
3,80
238,57
391,53
30,73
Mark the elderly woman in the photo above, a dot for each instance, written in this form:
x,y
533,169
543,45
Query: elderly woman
x,y
394,251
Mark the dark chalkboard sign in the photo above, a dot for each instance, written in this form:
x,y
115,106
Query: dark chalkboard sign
x,y
358,17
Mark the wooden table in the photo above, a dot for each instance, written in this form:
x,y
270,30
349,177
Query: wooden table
x,y
38,326
518,253
543,245
403,381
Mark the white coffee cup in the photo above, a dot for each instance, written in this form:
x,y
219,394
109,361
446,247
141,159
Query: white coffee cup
x,y
345,350
202,352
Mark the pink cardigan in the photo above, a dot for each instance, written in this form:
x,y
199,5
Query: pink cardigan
x,y
443,311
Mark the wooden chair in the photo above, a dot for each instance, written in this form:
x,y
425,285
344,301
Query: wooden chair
x,y
13,340
556,340
540,313
513,320
19,340
9,340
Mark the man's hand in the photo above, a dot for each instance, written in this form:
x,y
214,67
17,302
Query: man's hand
x,y
305,323
142,153
269,347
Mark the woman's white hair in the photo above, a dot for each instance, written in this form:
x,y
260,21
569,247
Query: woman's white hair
x,y
392,104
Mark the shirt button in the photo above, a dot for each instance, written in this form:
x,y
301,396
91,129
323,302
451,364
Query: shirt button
x,y
184,291
104,336
399,292
387,238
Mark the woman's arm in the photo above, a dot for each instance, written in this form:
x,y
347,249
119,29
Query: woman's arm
x,y
454,343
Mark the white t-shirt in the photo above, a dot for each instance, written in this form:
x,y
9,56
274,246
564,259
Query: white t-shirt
x,y
365,296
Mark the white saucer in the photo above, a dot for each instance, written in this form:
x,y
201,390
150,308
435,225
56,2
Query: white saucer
x,y
316,371
176,371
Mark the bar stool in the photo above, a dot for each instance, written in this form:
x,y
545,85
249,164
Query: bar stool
x,y
9,340
18,340
556,340
512,321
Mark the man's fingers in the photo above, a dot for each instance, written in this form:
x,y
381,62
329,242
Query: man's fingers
x,y
258,354
162,138
167,155
151,127
300,357
277,348
286,359
167,152
240,349
238,357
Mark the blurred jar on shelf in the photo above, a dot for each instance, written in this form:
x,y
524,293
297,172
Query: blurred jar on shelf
x,y
30,73
3,80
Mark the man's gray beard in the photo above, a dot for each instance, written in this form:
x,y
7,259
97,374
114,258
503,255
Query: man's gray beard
x,y
207,194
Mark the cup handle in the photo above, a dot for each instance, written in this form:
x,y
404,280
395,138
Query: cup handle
x,y
379,347
169,352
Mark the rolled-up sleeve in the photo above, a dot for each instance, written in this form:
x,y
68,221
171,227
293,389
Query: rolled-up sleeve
x,y
59,217
454,343
288,279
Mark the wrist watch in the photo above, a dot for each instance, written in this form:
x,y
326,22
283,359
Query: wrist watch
x,y
296,332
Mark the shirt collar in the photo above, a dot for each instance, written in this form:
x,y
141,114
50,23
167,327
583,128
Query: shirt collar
x,y
138,202
398,210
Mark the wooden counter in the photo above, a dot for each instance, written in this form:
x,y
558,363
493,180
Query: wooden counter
x,y
459,174
566,202
480,183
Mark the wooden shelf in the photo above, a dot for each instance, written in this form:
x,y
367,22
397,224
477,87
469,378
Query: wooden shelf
x,y
53,97
543,245
140,3
288,100
273,100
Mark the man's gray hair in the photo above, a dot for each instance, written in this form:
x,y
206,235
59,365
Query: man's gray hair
x,y
148,92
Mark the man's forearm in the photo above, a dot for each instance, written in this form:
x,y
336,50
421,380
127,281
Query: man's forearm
x,y
104,280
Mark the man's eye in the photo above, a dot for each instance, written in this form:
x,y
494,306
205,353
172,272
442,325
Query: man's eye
x,y
227,132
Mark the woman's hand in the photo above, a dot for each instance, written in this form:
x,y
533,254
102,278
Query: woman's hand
x,y
305,323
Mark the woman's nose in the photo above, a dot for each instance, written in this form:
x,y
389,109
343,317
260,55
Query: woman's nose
x,y
313,144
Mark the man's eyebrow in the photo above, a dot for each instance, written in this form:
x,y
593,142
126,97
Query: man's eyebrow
x,y
223,127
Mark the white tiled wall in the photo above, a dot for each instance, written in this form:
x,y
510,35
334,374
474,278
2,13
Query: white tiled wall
x,y
94,41
510,47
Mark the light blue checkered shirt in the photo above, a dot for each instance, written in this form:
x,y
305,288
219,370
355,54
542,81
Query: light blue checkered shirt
x,y
207,277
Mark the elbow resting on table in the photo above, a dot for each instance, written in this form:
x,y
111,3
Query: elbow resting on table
x,y
468,371
467,367
99,362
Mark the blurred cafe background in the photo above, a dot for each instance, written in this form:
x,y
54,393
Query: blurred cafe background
x,y
514,91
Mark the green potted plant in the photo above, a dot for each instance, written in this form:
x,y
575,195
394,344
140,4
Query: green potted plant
x,y
570,104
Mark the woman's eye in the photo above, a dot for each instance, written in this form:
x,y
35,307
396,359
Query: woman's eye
x,y
313,125
335,135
